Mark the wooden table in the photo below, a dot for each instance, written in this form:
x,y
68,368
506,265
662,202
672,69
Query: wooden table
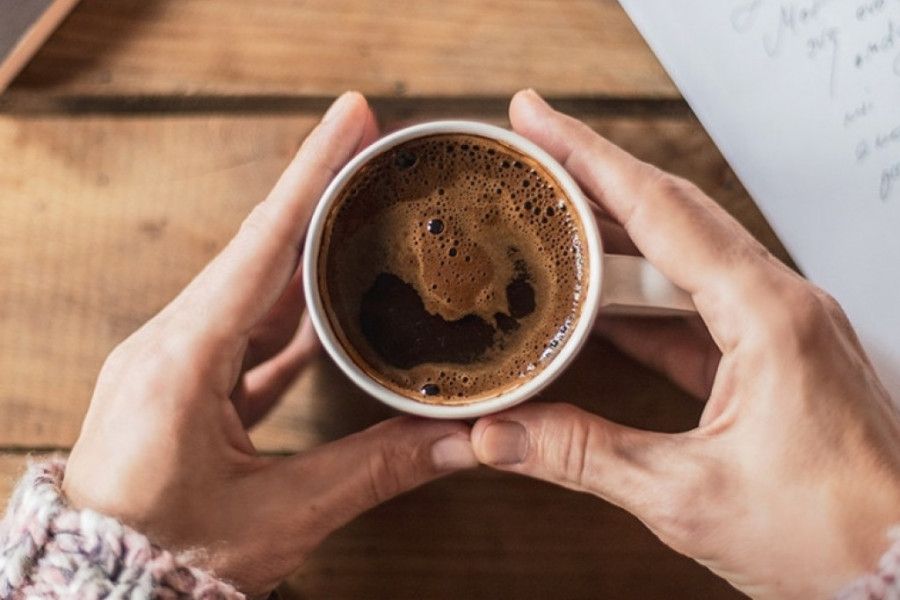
x,y
145,130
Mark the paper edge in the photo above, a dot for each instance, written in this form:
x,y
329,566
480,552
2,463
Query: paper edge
x,y
34,37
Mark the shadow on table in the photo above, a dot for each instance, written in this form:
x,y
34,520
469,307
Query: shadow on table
x,y
601,380
484,534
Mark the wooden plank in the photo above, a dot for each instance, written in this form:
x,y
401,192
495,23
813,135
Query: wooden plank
x,y
107,228
12,466
485,535
107,218
322,47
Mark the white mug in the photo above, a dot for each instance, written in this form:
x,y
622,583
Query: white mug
x,y
622,285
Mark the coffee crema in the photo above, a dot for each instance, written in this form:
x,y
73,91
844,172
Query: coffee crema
x,y
452,268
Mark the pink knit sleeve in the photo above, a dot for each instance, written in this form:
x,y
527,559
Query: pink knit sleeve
x,y
883,584
50,550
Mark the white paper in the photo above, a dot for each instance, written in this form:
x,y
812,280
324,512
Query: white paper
x,y
803,99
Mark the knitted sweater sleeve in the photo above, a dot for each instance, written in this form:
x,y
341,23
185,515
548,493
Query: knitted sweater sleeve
x,y
884,583
50,550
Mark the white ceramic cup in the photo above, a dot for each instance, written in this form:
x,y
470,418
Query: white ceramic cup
x,y
615,284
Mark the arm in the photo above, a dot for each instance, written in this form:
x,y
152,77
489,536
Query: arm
x,y
51,550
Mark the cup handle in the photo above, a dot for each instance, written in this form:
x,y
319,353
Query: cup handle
x,y
632,286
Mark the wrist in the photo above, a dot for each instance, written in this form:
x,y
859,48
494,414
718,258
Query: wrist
x,y
101,556
868,522
882,581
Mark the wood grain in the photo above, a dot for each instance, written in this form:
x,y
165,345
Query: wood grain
x,y
112,201
485,535
322,47
106,219
11,468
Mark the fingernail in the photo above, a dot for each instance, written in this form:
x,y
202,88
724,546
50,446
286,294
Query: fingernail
x,y
337,106
536,97
453,452
504,443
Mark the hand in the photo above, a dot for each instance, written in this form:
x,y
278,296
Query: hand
x,y
164,446
791,480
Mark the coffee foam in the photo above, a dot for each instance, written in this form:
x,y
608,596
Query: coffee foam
x,y
484,236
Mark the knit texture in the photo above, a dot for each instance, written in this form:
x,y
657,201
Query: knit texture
x,y
50,550
884,584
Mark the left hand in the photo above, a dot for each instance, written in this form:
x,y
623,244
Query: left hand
x,y
790,482
164,446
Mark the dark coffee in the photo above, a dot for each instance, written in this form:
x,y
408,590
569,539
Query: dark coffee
x,y
452,268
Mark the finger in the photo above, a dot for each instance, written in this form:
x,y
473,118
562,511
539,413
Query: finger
x,y
679,229
569,447
614,237
680,349
241,285
278,327
371,131
262,387
329,486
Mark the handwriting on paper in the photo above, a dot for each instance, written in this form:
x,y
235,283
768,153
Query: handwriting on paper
x,y
855,47
889,179
803,99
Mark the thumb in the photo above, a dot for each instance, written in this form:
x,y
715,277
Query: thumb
x,y
342,479
565,445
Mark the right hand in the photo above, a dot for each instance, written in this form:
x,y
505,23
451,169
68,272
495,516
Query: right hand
x,y
791,480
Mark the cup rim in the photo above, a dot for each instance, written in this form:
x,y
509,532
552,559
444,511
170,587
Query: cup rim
x,y
504,400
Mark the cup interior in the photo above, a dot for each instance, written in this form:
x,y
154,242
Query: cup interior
x,y
556,365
